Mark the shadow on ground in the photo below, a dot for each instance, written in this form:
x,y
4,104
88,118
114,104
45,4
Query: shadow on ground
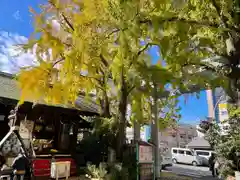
x,y
207,178
188,178
172,176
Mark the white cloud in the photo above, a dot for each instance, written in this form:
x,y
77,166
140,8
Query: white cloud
x,y
11,56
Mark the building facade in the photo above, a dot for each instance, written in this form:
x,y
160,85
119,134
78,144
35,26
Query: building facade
x,y
217,107
217,104
177,137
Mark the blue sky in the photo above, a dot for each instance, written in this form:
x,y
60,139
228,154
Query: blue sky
x,y
16,27
193,109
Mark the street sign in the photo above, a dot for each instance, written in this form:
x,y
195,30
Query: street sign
x,y
145,161
145,154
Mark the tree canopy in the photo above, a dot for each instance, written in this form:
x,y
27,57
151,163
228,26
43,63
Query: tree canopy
x,y
101,46
188,32
94,45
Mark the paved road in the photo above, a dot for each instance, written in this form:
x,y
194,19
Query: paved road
x,y
202,173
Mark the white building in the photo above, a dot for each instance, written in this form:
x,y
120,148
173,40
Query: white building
x,y
199,134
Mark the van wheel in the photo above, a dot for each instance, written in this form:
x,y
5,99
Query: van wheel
x,y
174,161
194,163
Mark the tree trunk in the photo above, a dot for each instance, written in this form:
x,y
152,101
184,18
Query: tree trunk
x,y
122,107
105,107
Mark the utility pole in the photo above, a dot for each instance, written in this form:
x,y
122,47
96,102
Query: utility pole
x,y
154,132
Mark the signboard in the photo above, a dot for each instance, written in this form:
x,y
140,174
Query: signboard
x,y
223,112
145,154
143,134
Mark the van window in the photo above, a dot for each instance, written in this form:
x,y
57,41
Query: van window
x,y
202,153
175,151
189,153
180,152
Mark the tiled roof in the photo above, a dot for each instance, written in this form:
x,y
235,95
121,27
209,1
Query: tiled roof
x,y
10,90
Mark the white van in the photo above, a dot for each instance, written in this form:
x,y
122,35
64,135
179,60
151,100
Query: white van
x,y
205,154
186,156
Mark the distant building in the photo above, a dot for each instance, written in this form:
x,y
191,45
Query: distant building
x,y
217,107
199,143
179,136
217,103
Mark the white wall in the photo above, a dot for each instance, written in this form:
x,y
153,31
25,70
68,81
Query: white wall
x,y
199,134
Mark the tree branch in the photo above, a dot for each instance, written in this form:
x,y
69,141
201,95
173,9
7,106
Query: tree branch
x,y
214,3
145,48
193,22
223,18
130,89
104,61
62,14
58,61
175,19
90,77
206,67
142,51
67,21
111,33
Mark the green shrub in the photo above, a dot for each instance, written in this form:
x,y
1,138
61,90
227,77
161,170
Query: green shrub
x,y
94,172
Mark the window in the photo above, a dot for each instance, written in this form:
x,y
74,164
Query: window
x,y
180,152
202,153
189,153
175,151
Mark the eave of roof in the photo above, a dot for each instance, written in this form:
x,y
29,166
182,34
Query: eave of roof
x,y
10,90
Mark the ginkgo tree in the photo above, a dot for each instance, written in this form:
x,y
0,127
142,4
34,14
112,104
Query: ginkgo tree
x,y
198,36
96,46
